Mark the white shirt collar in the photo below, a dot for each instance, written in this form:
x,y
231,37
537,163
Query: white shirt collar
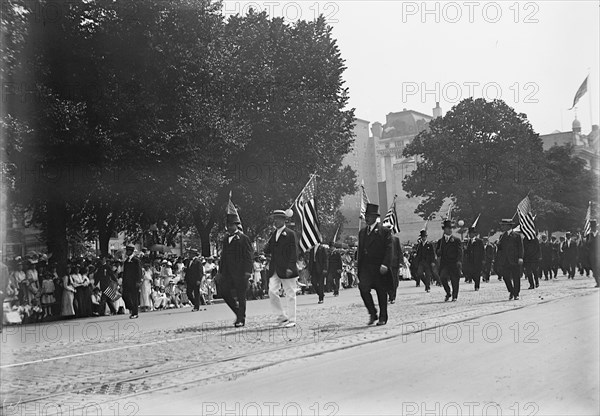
x,y
278,232
372,227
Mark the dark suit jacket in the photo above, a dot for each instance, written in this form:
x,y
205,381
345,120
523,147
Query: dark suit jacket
x,y
132,274
490,252
284,253
104,275
547,252
450,253
335,262
532,252
397,254
236,257
195,272
375,248
510,249
569,252
317,265
592,243
475,253
425,252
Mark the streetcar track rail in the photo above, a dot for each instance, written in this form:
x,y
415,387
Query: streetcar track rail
x,y
90,387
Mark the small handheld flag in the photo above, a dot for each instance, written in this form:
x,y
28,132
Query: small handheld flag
x,y
391,218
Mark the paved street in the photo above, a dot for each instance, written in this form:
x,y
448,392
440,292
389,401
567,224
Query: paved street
x,y
137,366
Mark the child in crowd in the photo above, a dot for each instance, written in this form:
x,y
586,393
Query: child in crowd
x,y
48,299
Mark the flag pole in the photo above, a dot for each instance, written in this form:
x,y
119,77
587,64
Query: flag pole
x,y
589,88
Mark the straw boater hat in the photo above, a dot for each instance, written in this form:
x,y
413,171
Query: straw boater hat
x,y
288,213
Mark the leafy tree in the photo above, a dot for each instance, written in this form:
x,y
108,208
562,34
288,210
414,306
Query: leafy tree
x,y
483,156
572,187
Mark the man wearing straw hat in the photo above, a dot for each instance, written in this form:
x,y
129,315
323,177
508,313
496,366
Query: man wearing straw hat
x,y
283,271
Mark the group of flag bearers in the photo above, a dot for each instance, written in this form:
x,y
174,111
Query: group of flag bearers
x,y
378,258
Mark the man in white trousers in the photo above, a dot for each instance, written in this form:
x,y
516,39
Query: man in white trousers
x,y
283,253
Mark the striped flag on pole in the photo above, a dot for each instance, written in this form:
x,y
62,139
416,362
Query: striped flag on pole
x,y
526,222
391,218
364,200
307,212
476,221
588,216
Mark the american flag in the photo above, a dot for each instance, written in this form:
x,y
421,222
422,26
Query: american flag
x,y
526,218
392,219
588,215
476,221
307,212
111,293
364,200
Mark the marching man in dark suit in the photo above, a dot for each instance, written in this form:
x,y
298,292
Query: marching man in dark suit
x,y
374,264
510,258
425,259
532,257
235,268
547,252
335,267
592,242
397,257
193,278
569,250
283,271
317,267
490,253
474,258
556,256
132,281
450,254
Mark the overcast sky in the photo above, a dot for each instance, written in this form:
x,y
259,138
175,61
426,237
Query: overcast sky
x,y
404,54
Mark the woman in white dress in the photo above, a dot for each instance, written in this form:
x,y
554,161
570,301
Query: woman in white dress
x,y
68,295
146,290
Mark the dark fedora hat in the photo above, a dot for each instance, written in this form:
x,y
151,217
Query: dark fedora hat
x,y
448,224
233,219
423,232
372,209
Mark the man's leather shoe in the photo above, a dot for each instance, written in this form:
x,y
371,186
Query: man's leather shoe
x,y
239,324
372,319
381,323
510,297
447,298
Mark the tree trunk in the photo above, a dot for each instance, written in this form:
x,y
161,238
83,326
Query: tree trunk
x,y
104,238
105,226
204,233
57,234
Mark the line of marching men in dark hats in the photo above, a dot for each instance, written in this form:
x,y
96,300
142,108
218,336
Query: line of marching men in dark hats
x,y
512,257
